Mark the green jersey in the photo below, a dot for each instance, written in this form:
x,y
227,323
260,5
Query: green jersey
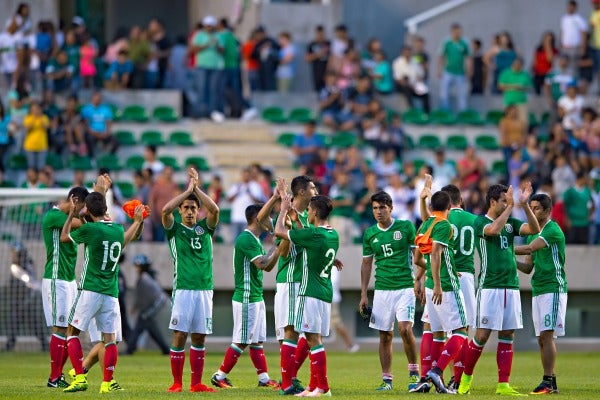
x,y
463,223
498,262
289,268
442,234
104,241
549,262
192,253
248,279
391,249
60,257
320,247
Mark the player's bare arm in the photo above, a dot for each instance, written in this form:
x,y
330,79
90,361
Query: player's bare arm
x,y
423,196
436,264
264,215
268,261
495,227
419,286
530,248
167,211
365,276
135,230
102,184
212,218
66,229
281,231
525,266
532,226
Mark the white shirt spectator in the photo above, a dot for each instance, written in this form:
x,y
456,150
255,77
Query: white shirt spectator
x,y
400,198
562,179
571,27
8,57
403,67
156,166
247,193
443,173
286,71
572,111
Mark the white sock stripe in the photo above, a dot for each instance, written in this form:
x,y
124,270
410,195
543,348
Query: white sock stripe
x,y
56,335
319,350
289,344
72,337
197,348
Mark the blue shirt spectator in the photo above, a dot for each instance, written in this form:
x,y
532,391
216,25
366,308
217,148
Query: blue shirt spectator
x,y
306,146
119,69
97,116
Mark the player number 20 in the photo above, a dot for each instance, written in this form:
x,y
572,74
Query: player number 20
x,y
327,270
466,239
113,252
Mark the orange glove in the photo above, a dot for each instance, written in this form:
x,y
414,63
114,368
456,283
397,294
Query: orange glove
x,y
130,206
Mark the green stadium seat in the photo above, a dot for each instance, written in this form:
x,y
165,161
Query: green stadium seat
x,y
300,115
152,138
110,162
125,138
415,116
409,142
165,114
430,142
457,142
55,161
17,162
81,163
225,215
545,118
486,142
442,117
64,184
469,117
181,138
493,117
135,113
533,121
197,162
170,161
274,115
286,139
115,112
8,184
134,163
127,189
343,139
499,167
418,163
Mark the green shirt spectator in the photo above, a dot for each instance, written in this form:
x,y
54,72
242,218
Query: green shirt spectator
x,y
515,82
208,42
577,199
231,49
455,52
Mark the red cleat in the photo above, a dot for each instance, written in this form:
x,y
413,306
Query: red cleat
x,y
175,388
201,388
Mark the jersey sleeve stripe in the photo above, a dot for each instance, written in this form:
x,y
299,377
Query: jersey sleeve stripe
x,y
545,241
442,243
257,256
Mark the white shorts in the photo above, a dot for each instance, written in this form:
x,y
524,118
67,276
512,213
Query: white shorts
x,y
390,306
192,311
467,287
449,315
312,315
285,306
548,311
249,322
96,334
90,306
58,297
425,316
499,309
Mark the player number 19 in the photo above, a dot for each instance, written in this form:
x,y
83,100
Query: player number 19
x,y
327,270
113,252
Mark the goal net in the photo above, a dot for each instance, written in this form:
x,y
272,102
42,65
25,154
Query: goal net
x,y
23,256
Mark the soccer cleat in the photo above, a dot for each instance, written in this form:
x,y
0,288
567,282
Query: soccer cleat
x,y
270,384
112,386
423,386
318,393
504,389
297,385
452,385
175,388
437,381
200,387
59,383
221,383
79,384
413,381
73,374
385,385
465,384
291,391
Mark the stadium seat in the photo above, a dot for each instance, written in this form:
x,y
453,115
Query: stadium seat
x,y
300,115
225,215
127,189
55,161
274,115
493,117
430,142
409,142
135,113
181,138
533,121
457,142
152,138
343,139
415,116
115,112
110,162
165,114
442,117
545,118
81,163
486,142
418,163
499,167
197,162
469,117
64,184
134,163
170,161
17,161
125,138
286,139
8,184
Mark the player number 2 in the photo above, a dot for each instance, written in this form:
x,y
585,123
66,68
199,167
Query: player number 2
x,y
195,243
327,270
387,249
113,252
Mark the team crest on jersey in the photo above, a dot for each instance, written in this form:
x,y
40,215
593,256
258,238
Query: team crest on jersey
x,y
508,228
397,235
174,321
199,230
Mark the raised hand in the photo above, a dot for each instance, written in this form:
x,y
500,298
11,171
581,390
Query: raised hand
x,y
286,203
525,192
280,188
510,199
138,214
73,205
426,191
193,174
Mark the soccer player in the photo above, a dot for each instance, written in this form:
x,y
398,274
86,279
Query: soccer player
x,y
98,285
390,243
313,309
190,243
546,256
445,303
249,317
498,297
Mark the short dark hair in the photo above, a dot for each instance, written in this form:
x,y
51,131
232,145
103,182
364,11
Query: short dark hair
x,y
151,148
299,183
382,198
95,204
544,200
252,211
80,192
440,201
494,193
454,193
193,198
322,205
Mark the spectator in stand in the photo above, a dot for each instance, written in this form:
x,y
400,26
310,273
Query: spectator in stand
x,y
35,143
118,43
177,73
443,171
535,153
347,69
563,176
240,195
87,61
72,126
151,161
573,29
251,65
515,82
118,74
340,43
362,202
266,52
358,101
367,56
162,48
44,44
8,59
585,66
98,118
56,137
512,131
454,68
317,54
71,47
139,54
393,135
232,77
306,146
143,179
593,142
401,195
163,189
286,68
262,176
470,169
215,189
579,207
502,59
342,198
421,60
570,106
59,73
594,26
6,132
331,102
386,165
543,59
478,78
405,73
557,80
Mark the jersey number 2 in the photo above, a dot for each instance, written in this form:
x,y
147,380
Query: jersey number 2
x,y
327,270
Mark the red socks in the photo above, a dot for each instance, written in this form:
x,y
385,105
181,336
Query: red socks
x,y
75,353
318,362
436,350
257,355
231,357
197,364
302,352
177,362
287,362
425,352
110,360
459,362
450,350
58,355
504,358
473,354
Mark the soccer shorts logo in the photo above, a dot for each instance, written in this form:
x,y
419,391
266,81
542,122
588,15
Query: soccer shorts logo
x,y
174,321
508,228
484,321
397,235
199,230
61,318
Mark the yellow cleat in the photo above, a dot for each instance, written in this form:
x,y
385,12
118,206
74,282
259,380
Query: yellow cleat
x,y
465,384
504,389
79,384
112,386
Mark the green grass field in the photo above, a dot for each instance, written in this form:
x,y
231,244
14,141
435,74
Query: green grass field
x,y
352,376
